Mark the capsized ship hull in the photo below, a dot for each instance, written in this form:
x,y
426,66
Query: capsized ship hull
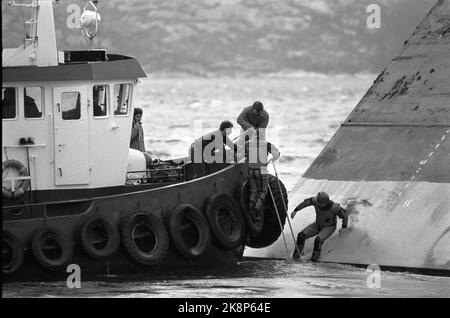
x,y
389,163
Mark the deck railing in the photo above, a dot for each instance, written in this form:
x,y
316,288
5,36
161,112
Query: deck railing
x,y
165,175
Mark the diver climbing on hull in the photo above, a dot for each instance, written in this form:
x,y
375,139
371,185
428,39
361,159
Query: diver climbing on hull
x,y
324,226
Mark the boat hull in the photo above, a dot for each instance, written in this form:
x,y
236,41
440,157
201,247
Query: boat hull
x,y
120,265
114,208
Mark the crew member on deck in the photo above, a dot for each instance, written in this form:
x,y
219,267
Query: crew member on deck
x,y
254,118
137,135
137,132
210,148
255,154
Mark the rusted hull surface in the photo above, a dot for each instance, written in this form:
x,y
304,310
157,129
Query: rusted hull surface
x,y
398,153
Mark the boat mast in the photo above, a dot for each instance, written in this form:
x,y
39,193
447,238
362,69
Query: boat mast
x,y
40,47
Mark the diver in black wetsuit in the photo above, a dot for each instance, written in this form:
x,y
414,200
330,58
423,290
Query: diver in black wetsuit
x,y
323,227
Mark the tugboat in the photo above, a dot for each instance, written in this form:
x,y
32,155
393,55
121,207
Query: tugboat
x,y
75,193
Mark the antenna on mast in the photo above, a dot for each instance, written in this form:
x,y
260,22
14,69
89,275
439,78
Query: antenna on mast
x,y
90,21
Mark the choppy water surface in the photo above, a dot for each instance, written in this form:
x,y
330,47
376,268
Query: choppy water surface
x,y
249,279
305,112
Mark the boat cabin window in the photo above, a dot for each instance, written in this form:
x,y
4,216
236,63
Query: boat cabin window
x,y
122,94
100,95
9,102
71,106
33,102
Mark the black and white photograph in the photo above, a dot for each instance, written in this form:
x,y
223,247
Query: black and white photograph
x,y
225,154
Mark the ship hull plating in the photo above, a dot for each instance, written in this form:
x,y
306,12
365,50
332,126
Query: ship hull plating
x,y
389,163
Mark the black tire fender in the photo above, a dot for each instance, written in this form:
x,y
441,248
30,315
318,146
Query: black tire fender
x,y
186,217
144,238
226,221
99,238
13,253
48,240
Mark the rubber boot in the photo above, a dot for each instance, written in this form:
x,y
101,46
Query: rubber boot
x,y
300,244
316,252
315,256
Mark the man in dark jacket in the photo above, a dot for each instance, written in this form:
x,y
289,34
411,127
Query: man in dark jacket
x,y
253,117
211,148
323,227
137,132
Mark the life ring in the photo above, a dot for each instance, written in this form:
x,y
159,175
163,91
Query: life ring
x,y
12,255
52,249
144,238
189,231
22,171
100,239
271,230
225,220
242,196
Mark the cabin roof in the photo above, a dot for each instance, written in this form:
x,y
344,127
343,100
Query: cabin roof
x,y
117,67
